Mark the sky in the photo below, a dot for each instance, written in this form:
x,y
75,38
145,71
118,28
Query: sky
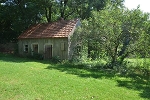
x,y
144,4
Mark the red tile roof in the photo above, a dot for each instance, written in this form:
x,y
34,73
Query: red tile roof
x,y
50,30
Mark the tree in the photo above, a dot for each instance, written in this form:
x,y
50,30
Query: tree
x,y
17,15
116,33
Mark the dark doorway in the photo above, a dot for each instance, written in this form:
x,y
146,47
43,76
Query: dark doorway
x,y
35,48
48,51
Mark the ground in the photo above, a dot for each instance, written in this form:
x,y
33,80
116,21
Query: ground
x,y
28,79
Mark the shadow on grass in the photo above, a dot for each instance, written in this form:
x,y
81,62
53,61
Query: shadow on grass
x,y
84,71
80,70
138,82
17,59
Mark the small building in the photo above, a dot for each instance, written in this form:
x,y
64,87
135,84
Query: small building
x,y
48,39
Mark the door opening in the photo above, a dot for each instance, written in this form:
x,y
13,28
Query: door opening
x,y
48,51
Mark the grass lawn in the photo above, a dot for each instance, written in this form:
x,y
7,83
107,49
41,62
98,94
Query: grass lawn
x,y
25,79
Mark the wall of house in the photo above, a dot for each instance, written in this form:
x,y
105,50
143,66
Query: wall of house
x,y
71,43
55,42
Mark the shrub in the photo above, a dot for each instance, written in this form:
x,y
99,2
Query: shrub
x,y
56,59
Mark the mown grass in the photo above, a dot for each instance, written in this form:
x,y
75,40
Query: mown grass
x,y
27,79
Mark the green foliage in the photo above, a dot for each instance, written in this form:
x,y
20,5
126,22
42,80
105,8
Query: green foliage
x,y
18,15
56,59
140,66
115,33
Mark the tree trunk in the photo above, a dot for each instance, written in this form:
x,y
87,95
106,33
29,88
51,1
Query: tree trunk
x,y
63,4
114,56
89,50
48,13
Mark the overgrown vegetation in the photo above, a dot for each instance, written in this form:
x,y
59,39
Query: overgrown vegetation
x,y
23,78
114,34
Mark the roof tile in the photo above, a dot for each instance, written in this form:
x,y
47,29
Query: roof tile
x,y
50,30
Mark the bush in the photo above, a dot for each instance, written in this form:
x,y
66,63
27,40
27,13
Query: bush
x,y
56,59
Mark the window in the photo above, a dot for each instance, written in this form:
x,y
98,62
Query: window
x,y
35,48
26,48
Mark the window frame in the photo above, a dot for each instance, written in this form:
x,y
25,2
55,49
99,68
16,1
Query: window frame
x,y
26,48
33,45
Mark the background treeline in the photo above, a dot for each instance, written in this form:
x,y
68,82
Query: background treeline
x,y
17,15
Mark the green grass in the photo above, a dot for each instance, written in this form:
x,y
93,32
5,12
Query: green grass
x,y
142,62
26,79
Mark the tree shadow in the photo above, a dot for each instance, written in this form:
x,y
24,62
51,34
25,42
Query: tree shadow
x,y
138,82
12,58
18,59
83,70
